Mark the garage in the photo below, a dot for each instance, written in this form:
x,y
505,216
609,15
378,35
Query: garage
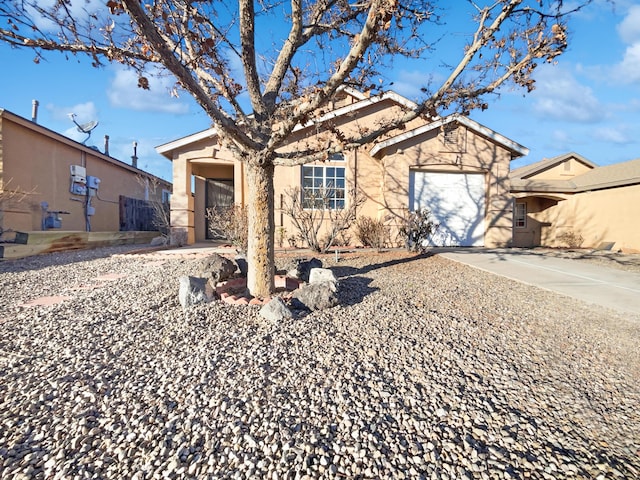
x,y
456,202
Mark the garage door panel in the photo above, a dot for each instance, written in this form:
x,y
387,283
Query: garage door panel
x,y
457,203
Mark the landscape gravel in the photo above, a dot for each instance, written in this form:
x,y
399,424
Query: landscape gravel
x,y
427,369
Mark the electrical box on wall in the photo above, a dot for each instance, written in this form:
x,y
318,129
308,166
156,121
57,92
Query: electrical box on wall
x,y
78,180
78,188
93,182
78,174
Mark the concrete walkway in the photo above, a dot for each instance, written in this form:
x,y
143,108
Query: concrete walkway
x,y
600,285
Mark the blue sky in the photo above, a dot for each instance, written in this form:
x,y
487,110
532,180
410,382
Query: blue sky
x,y
589,102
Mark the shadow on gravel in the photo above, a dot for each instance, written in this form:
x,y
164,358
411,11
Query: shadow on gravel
x,y
347,271
353,290
354,287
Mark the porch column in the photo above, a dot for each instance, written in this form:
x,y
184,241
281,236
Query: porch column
x,y
238,183
182,206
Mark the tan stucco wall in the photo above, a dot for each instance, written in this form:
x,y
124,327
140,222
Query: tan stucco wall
x,y
474,154
38,164
384,181
598,216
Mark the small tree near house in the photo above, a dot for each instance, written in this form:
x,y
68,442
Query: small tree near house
x,y
14,199
289,60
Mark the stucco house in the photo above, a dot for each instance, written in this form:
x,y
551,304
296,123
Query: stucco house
x,y
569,197
59,183
454,166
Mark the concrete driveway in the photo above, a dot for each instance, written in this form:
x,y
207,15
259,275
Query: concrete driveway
x,y
597,284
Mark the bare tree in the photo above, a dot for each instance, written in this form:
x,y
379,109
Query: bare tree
x,y
294,56
14,200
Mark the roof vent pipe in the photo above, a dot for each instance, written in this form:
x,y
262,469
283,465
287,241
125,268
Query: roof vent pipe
x,y
106,144
134,158
34,111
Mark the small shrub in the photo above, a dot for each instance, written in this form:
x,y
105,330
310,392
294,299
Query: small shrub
x,y
416,229
571,239
311,213
230,223
371,232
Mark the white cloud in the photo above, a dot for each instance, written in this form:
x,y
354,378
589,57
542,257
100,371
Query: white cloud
x,y
125,93
629,28
560,96
84,113
80,10
409,83
612,135
628,70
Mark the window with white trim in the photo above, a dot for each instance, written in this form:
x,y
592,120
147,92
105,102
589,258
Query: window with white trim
x,y
323,187
520,215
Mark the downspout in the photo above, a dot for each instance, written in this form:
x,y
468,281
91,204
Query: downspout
x,y
355,175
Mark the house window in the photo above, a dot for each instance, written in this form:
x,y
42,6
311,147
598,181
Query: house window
x,y
166,196
520,216
323,187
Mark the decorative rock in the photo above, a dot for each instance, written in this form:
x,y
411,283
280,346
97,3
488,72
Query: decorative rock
x,y
316,296
217,268
194,290
241,262
275,311
302,268
320,275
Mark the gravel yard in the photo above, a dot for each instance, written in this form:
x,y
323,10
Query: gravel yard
x,y
428,369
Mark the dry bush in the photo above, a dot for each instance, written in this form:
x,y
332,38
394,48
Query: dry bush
x,y
416,229
571,239
371,232
230,223
309,220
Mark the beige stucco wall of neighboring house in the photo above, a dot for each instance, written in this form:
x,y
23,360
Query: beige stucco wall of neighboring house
x,y
598,216
37,161
571,167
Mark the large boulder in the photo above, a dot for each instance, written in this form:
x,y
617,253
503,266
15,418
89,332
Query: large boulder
x,y
315,296
217,268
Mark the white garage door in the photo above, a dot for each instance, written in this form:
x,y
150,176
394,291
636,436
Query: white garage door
x,y
457,203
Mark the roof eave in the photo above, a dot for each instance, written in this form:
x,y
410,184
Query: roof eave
x,y
167,149
515,148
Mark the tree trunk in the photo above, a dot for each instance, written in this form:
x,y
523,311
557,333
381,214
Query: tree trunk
x,y
260,210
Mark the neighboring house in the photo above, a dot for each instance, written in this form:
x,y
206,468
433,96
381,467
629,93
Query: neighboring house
x,y
454,166
46,174
569,197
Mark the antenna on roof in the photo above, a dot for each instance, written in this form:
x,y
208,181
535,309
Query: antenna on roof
x,y
85,127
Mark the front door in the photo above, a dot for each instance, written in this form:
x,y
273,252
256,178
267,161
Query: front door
x,y
219,196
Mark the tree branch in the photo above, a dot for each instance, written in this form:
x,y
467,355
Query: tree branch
x,y
183,74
